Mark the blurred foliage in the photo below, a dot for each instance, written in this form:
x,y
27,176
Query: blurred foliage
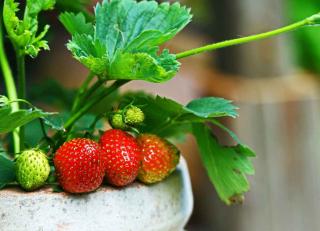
x,y
74,5
202,14
306,41
52,93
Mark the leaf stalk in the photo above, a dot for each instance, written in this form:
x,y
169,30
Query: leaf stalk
x,y
70,122
10,86
306,22
21,70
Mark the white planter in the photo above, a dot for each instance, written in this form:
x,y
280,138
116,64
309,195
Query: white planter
x,y
166,206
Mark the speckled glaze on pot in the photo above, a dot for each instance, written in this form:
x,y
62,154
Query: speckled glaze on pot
x,y
165,206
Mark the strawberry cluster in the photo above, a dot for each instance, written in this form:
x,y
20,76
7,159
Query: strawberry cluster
x,y
82,164
119,158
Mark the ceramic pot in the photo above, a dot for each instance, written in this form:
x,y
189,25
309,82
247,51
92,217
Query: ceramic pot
x,y
165,206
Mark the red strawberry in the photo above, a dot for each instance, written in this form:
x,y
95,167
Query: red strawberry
x,y
121,157
160,158
78,165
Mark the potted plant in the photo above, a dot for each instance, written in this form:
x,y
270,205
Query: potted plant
x,y
82,177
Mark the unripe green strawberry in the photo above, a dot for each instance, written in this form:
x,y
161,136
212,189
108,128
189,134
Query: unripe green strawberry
x,y
160,158
116,121
133,115
32,169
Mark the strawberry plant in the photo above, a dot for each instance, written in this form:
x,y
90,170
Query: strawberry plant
x,y
118,43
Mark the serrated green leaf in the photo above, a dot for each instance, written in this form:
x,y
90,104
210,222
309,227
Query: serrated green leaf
x,y
34,7
76,23
24,33
224,128
121,22
7,171
139,66
159,110
54,122
227,167
209,107
90,53
10,120
126,39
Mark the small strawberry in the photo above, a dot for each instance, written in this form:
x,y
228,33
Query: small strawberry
x,y
32,169
78,165
160,158
124,118
133,115
121,156
116,121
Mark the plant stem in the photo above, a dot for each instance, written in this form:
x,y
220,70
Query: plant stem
x,y
93,89
10,87
308,21
68,125
86,96
82,90
21,88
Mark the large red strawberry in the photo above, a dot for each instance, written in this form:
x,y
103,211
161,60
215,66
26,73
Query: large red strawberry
x,y
78,165
121,156
160,158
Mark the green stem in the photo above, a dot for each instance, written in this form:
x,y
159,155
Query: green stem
x,y
10,87
308,21
21,89
86,96
82,90
95,87
68,125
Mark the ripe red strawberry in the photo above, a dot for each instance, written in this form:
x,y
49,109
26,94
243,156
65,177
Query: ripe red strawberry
x,y
78,165
160,158
121,157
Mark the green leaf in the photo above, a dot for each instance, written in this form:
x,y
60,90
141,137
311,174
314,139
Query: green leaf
x,y
24,33
160,111
227,167
141,66
224,128
124,42
7,171
76,23
10,120
54,122
212,107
